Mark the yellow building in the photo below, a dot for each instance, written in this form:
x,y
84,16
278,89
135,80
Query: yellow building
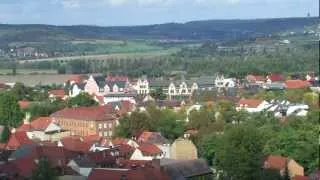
x,y
86,121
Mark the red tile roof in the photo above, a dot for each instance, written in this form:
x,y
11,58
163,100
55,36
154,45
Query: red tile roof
x,y
25,127
275,162
125,150
98,113
117,78
76,144
255,78
57,93
251,103
149,149
297,84
22,166
76,78
24,104
41,123
17,139
275,77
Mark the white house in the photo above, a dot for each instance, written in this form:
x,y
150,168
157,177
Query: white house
x,y
147,152
252,105
142,86
221,82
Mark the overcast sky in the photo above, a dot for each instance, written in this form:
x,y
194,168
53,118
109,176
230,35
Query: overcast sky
x,y
140,12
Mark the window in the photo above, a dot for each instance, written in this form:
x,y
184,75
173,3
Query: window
x,y
100,134
110,133
110,125
105,134
105,125
100,126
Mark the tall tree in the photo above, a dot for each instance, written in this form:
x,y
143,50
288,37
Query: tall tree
x,y
10,112
239,153
83,99
44,171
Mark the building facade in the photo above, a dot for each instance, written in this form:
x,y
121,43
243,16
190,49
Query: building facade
x,y
87,121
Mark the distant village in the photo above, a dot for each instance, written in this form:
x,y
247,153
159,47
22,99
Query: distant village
x,y
80,140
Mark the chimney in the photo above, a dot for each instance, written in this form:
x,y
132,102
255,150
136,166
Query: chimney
x,y
13,130
27,118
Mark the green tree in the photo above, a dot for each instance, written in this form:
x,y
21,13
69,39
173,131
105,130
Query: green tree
x,y
20,91
83,99
44,171
158,94
169,125
5,134
311,98
297,140
10,112
239,153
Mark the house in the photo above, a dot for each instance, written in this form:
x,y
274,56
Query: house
x,y
274,86
86,121
296,84
116,97
142,86
75,144
101,86
255,79
76,88
57,94
281,164
272,77
187,169
21,168
82,164
157,139
221,82
17,139
252,105
43,129
183,149
147,152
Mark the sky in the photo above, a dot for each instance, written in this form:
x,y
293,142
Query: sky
x,y
142,12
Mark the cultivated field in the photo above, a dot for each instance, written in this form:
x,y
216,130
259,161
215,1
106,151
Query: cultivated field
x,y
143,55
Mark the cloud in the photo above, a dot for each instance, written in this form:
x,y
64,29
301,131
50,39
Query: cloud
x,y
70,3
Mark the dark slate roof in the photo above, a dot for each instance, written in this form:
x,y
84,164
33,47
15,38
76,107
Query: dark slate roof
x,y
84,162
120,84
182,170
275,86
159,83
22,151
100,81
4,155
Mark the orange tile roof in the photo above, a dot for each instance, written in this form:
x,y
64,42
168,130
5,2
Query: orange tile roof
x,y
76,144
24,128
297,84
57,93
41,123
275,162
251,103
17,139
149,149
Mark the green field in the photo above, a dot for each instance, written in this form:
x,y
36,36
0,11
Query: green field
x,y
28,71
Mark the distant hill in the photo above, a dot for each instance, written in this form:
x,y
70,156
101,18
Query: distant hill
x,y
195,30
